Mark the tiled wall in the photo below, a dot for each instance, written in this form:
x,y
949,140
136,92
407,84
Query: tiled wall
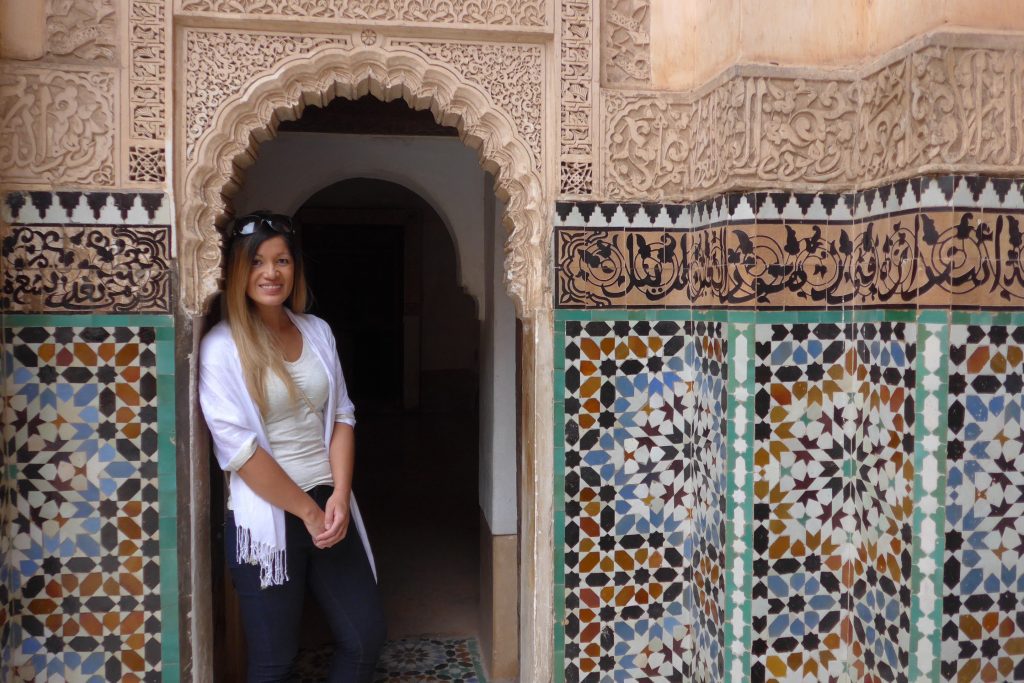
x,y
89,517
791,487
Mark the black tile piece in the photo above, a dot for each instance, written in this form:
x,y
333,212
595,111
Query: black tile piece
x,y
586,209
869,197
1002,187
608,210
976,184
124,201
829,200
884,192
652,209
779,199
947,184
151,202
804,201
900,187
675,211
630,210
96,202
41,200
15,200
69,201
563,209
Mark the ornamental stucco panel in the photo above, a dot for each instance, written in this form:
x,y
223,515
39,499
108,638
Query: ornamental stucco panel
x,y
82,29
59,126
626,43
504,13
219,64
931,109
511,74
577,93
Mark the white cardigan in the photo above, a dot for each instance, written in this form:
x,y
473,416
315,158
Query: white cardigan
x,y
235,424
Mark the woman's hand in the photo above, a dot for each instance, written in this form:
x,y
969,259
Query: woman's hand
x,y
313,518
335,521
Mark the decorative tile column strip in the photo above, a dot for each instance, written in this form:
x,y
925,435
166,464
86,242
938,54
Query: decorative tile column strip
x,y
740,500
929,494
984,583
87,425
644,496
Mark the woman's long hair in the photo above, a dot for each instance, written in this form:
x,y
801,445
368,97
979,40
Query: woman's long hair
x,y
258,349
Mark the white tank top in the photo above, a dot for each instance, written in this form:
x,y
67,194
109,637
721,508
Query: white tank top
x,y
295,429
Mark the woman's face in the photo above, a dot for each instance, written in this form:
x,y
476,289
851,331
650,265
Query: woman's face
x,y
272,274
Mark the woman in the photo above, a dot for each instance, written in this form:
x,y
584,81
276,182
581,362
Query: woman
x,y
274,398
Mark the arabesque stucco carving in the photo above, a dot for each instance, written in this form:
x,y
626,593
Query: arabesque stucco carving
x,y
59,126
934,108
82,29
526,13
250,106
577,96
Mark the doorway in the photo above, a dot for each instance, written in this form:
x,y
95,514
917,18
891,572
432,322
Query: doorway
x,y
411,297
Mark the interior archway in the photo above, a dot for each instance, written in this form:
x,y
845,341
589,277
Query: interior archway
x,y
214,175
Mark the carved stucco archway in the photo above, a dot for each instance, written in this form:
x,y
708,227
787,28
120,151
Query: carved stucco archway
x,y
213,172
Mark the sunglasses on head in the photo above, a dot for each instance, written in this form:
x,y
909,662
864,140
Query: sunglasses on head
x,y
247,225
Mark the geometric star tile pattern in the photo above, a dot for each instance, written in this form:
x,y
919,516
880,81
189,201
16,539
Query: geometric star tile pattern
x,y
83,566
802,513
833,486
983,605
882,488
644,407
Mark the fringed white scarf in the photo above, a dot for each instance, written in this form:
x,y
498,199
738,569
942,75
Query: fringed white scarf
x,y
234,421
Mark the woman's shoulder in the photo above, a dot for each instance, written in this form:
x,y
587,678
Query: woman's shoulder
x,y
311,323
217,340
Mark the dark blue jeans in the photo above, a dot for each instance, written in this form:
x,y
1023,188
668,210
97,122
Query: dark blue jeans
x,y
342,583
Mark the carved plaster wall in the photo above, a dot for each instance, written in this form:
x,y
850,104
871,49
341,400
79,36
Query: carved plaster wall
x,y
503,13
578,92
238,85
943,102
92,111
59,126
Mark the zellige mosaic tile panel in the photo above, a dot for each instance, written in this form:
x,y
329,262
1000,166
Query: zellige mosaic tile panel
x,y
82,420
644,586
983,605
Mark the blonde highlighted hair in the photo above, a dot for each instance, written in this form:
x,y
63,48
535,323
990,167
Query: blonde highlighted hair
x,y
258,349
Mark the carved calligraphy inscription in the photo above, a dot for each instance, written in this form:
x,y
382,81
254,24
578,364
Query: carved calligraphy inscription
x,y
58,126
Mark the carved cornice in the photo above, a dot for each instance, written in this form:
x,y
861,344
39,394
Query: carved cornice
x,y
937,104
247,111
503,13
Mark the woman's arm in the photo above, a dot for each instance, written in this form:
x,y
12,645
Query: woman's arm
x,y
266,478
341,454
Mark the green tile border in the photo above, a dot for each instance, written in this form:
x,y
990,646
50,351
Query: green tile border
x,y
929,626
740,338
170,658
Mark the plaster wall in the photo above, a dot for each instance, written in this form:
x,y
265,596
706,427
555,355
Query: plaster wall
x,y
691,41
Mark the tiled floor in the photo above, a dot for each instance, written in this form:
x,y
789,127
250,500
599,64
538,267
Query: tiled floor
x,y
407,660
